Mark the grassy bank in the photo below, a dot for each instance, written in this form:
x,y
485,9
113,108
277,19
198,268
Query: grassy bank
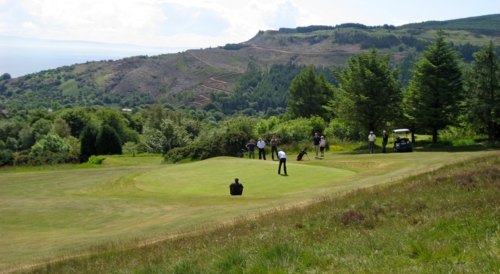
x,y
446,220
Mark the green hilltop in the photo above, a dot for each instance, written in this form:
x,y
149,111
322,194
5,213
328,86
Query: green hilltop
x,y
485,23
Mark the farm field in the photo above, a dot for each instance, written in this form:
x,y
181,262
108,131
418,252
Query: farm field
x,y
52,213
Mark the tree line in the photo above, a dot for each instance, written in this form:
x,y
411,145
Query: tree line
x,y
441,92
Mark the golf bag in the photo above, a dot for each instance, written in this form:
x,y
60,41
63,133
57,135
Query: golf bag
x,y
301,154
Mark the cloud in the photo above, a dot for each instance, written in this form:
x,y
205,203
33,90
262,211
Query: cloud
x,y
95,19
29,26
188,23
150,22
192,20
286,15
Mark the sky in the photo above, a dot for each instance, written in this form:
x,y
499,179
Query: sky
x,y
190,24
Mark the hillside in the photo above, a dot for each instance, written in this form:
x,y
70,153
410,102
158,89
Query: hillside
x,y
486,23
188,77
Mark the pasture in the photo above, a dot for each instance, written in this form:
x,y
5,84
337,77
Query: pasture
x,y
49,214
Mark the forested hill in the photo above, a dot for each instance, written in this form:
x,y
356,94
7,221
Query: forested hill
x,y
197,77
480,23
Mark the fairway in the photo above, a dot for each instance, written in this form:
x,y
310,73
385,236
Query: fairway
x,y
53,213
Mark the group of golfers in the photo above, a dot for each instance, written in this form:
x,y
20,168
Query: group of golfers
x,y
319,143
261,144
372,138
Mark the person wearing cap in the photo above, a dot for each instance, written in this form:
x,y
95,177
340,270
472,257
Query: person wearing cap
x,y
385,138
262,152
371,141
236,188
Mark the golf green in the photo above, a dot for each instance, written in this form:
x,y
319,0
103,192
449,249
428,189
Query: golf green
x,y
212,177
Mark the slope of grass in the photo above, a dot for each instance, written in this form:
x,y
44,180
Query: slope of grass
x,y
441,221
50,213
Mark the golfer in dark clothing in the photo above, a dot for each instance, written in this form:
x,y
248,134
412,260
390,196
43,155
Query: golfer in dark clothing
x,y
251,148
282,157
236,188
316,141
274,147
385,138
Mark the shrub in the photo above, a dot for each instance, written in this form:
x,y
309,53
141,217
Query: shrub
x,y
21,158
227,144
96,160
129,148
53,143
344,131
45,158
296,130
352,217
6,157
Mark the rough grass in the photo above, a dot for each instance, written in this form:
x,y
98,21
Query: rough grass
x,y
61,212
441,221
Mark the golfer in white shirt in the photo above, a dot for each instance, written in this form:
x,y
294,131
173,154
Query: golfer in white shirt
x,y
282,157
262,152
371,141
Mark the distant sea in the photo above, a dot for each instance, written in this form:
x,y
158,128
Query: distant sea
x,y
21,56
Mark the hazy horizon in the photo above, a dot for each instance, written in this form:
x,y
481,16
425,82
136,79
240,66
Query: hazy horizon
x,y
21,56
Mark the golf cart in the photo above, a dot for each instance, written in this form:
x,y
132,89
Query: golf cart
x,y
402,144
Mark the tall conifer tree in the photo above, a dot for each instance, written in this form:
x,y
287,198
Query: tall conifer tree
x,y
107,141
369,93
483,90
436,88
88,143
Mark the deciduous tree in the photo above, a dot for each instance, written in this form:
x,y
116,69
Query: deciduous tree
x,y
309,94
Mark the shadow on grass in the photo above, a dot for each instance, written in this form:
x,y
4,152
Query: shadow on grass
x,y
471,148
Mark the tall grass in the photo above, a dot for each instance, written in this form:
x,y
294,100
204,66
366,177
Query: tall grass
x,y
442,221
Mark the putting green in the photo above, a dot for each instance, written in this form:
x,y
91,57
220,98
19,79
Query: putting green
x,y
212,177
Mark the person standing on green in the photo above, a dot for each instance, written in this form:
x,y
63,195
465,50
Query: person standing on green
x,y
274,147
322,145
371,141
261,146
251,149
316,141
385,139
